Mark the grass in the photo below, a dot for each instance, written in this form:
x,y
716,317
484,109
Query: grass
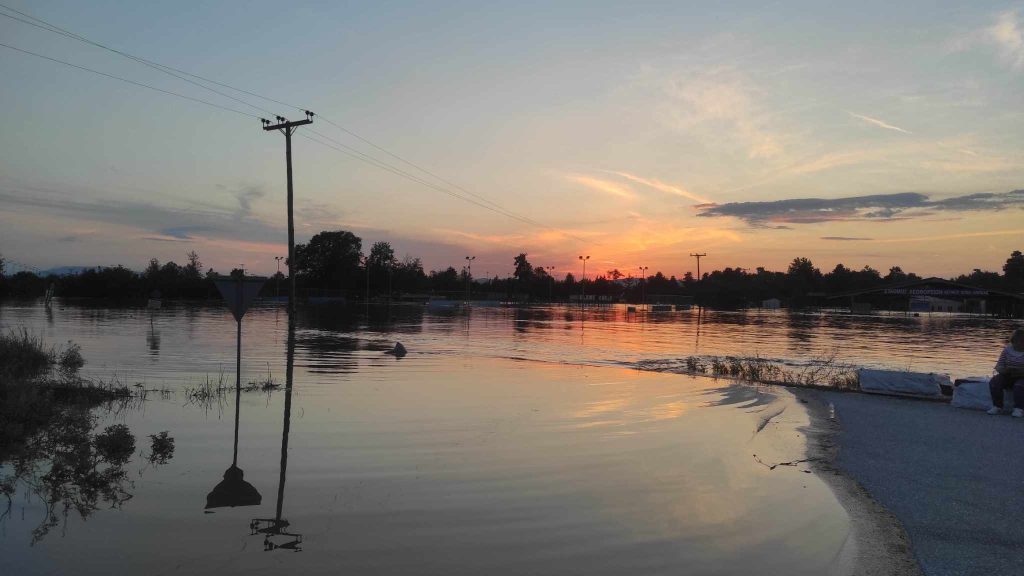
x,y
24,355
822,372
38,380
214,392
267,384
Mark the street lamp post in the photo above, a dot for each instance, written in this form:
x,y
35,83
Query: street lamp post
x,y
277,289
366,262
583,283
551,286
469,275
643,286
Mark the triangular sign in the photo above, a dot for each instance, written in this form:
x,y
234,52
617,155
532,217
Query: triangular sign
x,y
239,294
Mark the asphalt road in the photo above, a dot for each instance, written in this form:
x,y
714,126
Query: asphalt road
x,y
954,478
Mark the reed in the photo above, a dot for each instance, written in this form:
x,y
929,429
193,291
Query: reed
x,y
821,372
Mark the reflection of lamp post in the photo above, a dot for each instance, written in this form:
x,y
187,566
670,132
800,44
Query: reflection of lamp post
x,y
583,283
643,287
469,274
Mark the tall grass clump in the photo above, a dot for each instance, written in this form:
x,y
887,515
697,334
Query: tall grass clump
x,y
37,381
24,355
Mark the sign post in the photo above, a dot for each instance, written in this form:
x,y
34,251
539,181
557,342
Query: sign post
x,y
239,293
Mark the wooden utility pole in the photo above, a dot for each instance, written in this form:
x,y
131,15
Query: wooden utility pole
x,y
288,128
698,257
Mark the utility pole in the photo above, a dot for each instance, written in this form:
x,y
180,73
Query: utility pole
x,y
288,128
698,257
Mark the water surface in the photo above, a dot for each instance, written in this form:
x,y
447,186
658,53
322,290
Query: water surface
x,y
509,441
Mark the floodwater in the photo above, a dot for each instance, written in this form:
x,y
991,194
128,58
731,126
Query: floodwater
x,y
508,441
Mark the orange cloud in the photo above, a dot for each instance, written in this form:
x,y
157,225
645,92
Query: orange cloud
x,y
662,186
605,186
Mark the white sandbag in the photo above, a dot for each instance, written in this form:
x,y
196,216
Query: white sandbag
x,y
972,394
902,383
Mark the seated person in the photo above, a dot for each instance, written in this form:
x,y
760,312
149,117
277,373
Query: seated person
x,y
1009,373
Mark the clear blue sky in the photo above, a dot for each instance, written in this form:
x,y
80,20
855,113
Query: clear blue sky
x,y
635,132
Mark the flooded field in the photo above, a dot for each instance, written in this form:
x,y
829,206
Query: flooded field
x,y
190,341
508,441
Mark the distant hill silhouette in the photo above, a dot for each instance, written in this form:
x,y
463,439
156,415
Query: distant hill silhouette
x,y
64,270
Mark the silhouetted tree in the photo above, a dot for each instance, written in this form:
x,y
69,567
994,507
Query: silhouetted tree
x,y
330,260
524,270
1013,271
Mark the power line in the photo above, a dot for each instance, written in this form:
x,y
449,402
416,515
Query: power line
x,y
481,201
352,153
43,25
140,84
176,72
348,150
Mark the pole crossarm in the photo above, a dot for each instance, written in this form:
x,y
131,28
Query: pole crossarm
x,y
284,124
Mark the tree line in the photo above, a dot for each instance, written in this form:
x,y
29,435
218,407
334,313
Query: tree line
x,y
333,263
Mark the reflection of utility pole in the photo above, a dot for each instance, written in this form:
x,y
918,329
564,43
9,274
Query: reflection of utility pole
x,y
288,128
698,257
278,526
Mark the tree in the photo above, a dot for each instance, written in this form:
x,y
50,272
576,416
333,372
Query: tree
x,y
382,255
524,270
330,259
1013,270
802,277
614,274
896,274
153,270
194,267
2,263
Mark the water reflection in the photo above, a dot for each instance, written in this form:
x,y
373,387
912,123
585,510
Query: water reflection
x,y
73,470
153,339
275,531
233,490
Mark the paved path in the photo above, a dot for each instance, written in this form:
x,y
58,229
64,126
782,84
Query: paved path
x,y
954,478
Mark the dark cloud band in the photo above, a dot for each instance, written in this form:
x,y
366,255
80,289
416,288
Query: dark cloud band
x,y
871,207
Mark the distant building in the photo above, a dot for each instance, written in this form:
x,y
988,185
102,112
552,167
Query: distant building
x,y
771,304
934,295
933,304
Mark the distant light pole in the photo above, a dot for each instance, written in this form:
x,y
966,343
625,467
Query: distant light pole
x,y
469,274
366,263
277,290
643,287
583,283
551,286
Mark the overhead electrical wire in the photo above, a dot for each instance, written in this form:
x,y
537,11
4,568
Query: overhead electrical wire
x,y
140,84
176,72
481,201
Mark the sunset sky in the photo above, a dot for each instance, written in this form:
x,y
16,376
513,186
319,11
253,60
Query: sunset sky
x,y
868,133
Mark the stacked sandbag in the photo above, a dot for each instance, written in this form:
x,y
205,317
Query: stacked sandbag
x,y
972,393
900,383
